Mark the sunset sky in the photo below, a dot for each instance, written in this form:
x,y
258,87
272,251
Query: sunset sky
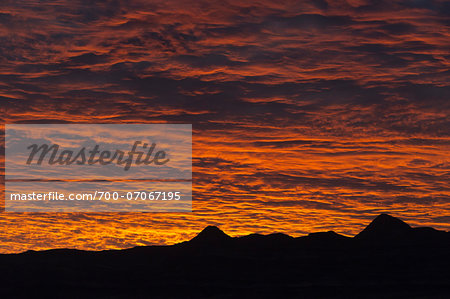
x,y
307,115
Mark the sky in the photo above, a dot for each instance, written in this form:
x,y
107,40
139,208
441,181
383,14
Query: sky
x,y
307,115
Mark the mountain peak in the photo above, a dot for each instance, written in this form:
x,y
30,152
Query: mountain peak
x,y
211,234
384,226
389,221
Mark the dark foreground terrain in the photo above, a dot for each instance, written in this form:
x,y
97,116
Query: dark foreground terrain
x,y
388,259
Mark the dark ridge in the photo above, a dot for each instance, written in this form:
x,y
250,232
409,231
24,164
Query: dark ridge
x,y
211,235
327,235
275,241
323,240
215,265
429,234
384,226
274,237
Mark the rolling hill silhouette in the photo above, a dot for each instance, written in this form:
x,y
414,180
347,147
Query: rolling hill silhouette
x,y
388,259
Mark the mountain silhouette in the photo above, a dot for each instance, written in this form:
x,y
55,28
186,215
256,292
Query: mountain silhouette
x,y
322,240
329,235
388,259
384,227
211,235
